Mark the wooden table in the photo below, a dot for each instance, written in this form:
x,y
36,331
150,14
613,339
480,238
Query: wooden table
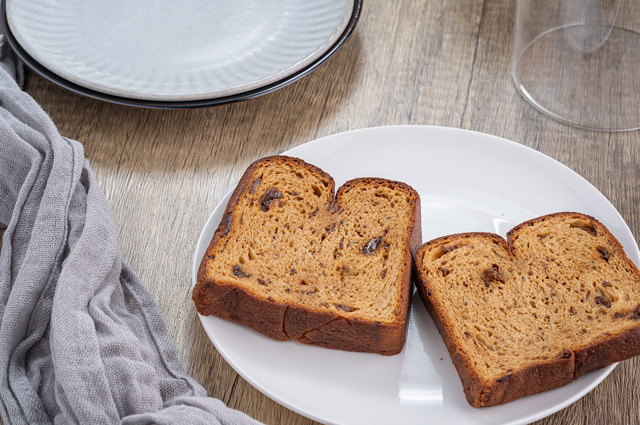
x,y
443,63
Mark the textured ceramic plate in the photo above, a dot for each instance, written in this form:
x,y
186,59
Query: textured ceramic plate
x,y
162,50
467,182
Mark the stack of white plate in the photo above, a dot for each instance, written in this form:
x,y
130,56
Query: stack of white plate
x,y
163,53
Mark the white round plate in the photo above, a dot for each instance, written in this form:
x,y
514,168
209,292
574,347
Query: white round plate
x,y
467,182
164,50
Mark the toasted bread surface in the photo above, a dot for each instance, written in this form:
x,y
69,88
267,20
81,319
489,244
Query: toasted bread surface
x,y
556,299
293,260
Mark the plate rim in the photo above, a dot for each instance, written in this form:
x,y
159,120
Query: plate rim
x,y
544,412
52,77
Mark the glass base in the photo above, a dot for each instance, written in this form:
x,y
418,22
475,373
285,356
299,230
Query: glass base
x,y
587,76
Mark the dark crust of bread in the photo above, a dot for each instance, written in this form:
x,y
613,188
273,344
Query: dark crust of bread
x,y
541,376
281,321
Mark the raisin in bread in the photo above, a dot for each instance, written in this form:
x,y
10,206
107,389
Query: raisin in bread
x,y
558,298
294,261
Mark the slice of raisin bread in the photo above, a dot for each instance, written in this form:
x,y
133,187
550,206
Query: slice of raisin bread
x,y
293,261
558,298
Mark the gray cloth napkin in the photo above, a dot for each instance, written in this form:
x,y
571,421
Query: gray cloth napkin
x,y
81,339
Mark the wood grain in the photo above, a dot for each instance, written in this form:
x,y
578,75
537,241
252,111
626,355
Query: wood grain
x,y
443,63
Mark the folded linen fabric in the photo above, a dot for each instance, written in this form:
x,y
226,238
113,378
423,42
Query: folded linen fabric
x,y
81,338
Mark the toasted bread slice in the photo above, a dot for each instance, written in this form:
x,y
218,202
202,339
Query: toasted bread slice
x,y
293,261
558,298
